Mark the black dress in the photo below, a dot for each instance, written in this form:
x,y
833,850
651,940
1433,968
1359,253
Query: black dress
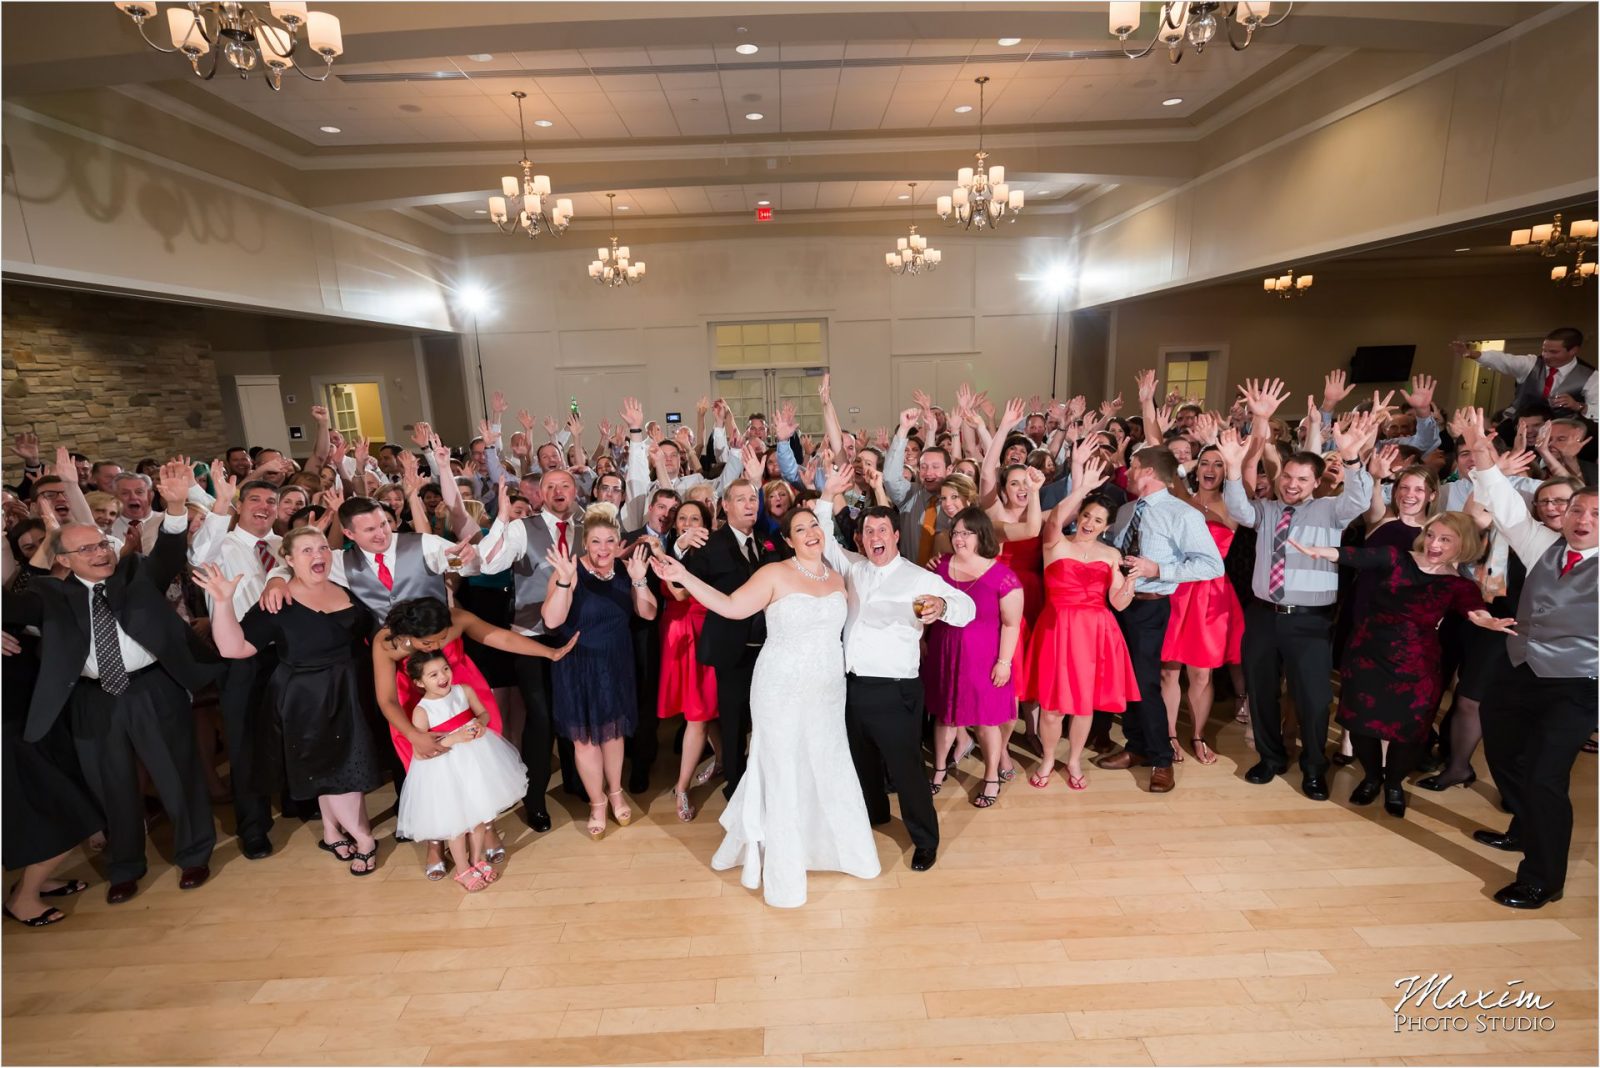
x,y
593,685
47,808
1392,677
317,740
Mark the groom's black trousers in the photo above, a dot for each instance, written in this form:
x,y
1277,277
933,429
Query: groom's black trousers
x,y
884,720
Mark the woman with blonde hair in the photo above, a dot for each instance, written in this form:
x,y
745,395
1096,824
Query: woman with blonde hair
x,y
593,599
956,492
1392,676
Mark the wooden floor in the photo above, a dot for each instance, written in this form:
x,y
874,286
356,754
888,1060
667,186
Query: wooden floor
x,y
1223,923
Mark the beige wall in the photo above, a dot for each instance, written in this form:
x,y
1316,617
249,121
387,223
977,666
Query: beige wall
x,y
1300,340
985,305
1495,129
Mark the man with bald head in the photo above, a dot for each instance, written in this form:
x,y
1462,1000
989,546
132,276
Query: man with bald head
x,y
117,660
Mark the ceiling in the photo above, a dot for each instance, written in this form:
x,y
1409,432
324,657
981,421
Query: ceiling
x,y
650,101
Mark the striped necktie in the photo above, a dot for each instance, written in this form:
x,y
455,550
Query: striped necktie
x,y
1280,553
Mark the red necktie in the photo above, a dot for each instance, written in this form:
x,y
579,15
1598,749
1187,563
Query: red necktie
x,y
264,554
1550,380
383,572
1573,556
561,536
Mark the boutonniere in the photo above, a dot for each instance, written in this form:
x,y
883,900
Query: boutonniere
x,y
768,546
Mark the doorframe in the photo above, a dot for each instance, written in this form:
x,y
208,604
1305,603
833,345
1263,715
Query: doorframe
x,y
1216,370
319,391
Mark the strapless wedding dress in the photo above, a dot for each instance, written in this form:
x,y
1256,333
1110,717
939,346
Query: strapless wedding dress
x,y
798,807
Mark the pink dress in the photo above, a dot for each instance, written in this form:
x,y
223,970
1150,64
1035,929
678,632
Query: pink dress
x,y
1206,627
463,672
956,671
1025,558
1079,662
687,686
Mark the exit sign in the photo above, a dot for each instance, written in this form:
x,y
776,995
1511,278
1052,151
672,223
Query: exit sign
x,y
763,215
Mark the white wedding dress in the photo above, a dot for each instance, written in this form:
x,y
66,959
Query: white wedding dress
x,y
798,807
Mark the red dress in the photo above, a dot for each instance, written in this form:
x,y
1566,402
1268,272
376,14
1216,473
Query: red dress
x,y
1206,627
1078,660
687,686
463,673
1025,558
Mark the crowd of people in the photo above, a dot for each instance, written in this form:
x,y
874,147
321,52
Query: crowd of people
x,y
827,619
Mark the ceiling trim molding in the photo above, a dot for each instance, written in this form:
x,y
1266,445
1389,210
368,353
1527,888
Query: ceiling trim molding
x,y
1238,109
154,159
1372,99
214,124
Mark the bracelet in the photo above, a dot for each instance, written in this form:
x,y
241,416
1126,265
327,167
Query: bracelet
x,y
563,585
641,584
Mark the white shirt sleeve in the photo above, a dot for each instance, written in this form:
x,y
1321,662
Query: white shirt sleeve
x,y
504,545
207,545
1507,363
1528,539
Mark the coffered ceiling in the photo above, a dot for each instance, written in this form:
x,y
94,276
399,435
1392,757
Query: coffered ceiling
x,y
653,102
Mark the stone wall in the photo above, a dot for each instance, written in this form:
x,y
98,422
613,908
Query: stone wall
x,y
113,378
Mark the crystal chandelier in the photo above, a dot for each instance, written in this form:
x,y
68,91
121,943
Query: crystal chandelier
x,y
249,40
528,195
913,256
1196,24
981,195
614,268
1286,286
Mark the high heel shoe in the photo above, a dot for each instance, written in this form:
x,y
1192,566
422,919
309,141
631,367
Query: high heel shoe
x,y
686,811
707,773
1436,783
623,813
944,772
985,799
597,821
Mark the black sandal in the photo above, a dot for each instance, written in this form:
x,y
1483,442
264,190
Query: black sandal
x,y
365,858
73,886
334,847
935,787
44,919
983,800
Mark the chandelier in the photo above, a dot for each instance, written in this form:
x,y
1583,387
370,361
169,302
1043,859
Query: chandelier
x,y
1578,274
246,38
1550,239
528,196
912,256
613,268
981,195
1286,286
1193,23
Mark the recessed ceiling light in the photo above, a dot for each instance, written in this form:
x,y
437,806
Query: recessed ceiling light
x,y
622,207
1172,101
1041,192
1463,250
754,115
763,203
963,109
903,196
330,129
1007,42
480,57
747,49
480,211
543,122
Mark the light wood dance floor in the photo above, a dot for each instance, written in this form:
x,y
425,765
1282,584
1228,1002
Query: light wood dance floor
x,y
1223,923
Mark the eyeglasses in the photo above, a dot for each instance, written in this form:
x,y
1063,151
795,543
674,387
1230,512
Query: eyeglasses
x,y
93,547
1554,504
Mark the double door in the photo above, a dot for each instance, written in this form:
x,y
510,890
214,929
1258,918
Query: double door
x,y
765,390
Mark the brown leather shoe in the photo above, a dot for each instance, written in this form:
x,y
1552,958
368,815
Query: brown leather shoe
x,y
1121,760
194,877
1161,780
117,893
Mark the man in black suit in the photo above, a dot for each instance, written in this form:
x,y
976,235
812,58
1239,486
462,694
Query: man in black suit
x,y
644,744
730,646
120,661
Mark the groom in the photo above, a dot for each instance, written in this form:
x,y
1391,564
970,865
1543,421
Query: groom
x,y
891,599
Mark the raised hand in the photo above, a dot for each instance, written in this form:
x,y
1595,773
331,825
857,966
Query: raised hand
x,y
1350,438
1335,389
753,466
362,453
825,390
441,456
1232,447
1091,475
633,413
526,420
319,412
176,478
1516,462
638,563
1420,399
783,424
1383,461
1015,407
1164,417
421,433
703,405
921,399
226,485
333,496
908,419
551,427
67,471
26,445
838,482
1147,386
498,404
1077,406
693,538
1110,408
565,565
574,426
490,436
1035,478
1206,427
1262,398
210,577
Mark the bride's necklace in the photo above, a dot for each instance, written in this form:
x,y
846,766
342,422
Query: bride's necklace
x,y
798,566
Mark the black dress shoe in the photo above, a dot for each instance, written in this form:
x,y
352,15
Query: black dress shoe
x,y
1314,787
256,848
194,878
639,782
923,859
1437,783
1261,774
1394,801
1366,792
1524,896
539,821
117,893
1498,840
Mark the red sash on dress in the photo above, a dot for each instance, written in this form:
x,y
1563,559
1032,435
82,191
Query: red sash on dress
x,y
463,673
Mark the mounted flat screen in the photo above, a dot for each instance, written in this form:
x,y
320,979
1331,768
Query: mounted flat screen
x,y
1382,363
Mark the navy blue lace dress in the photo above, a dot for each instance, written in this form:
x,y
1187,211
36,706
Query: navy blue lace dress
x,y
593,686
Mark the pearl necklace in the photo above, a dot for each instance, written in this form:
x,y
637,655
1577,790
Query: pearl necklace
x,y
798,566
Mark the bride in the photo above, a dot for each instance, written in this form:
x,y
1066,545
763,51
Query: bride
x,y
798,807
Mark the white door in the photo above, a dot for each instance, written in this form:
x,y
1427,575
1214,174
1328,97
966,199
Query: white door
x,y
765,390
938,374
261,411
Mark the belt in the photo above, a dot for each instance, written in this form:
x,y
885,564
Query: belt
x,y
131,676
1149,596
1296,609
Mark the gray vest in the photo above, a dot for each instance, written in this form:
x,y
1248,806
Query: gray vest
x,y
1531,389
530,575
1556,618
409,569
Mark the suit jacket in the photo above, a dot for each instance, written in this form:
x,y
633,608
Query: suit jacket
x,y
137,592
720,564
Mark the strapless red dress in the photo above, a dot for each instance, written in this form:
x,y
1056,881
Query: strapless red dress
x,y
463,673
1025,558
1078,660
687,686
1206,627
